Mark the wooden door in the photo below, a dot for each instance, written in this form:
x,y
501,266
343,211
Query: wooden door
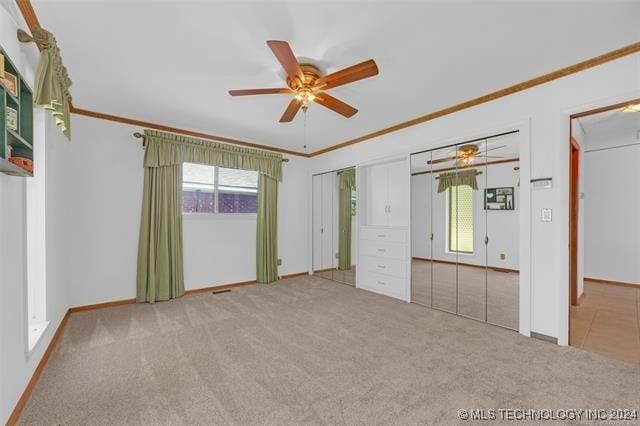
x,y
574,197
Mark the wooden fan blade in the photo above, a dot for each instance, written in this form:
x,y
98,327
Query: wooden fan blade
x,y
348,75
247,92
291,111
334,104
287,59
491,149
441,160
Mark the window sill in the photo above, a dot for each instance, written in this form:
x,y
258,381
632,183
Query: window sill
x,y
220,216
36,331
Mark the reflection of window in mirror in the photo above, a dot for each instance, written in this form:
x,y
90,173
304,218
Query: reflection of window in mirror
x,y
460,219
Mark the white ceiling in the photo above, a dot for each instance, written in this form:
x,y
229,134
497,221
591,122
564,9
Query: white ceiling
x,y
172,62
610,127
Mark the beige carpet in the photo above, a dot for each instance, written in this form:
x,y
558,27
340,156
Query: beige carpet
x,y
307,350
483,294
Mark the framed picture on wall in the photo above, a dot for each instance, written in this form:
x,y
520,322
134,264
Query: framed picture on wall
x,y
499,199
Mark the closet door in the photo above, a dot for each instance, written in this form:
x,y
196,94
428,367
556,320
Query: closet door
x,y
377,189
397,198
421,232
503,226
444,259
471,219
327,221
317,222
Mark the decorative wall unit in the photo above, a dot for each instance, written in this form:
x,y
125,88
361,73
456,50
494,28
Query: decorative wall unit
x,y
384,255
16,121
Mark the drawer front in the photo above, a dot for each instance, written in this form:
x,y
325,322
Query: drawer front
x,y
391,267
385,235
390,286
384,250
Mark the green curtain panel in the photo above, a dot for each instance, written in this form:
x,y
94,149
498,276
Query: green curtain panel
x,y
464,177
163,149
160,270
267,230
52,82
346,182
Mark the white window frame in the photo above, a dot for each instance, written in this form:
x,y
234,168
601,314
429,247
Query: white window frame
x,y
447,232
216,190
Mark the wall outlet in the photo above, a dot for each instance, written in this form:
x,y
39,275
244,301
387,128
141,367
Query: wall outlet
x,y
546,215
337,256
503,256
279,262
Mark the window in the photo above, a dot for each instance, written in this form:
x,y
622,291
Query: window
x,y
461,219
209,189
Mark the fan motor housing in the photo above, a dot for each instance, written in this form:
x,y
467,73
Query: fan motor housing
x,y
311,74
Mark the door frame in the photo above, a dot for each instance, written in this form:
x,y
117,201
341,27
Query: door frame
x,y
574,202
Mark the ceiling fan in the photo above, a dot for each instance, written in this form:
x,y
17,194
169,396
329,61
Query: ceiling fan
x,y
464,155
307,83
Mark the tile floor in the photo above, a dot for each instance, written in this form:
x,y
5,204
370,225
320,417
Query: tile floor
x,y
607,322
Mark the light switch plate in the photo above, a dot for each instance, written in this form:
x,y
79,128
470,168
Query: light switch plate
x,y
546,215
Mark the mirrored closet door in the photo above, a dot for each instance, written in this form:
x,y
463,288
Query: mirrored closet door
x,y
334,225
465,227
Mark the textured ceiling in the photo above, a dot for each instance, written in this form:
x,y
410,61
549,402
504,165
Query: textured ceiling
x,y
172,62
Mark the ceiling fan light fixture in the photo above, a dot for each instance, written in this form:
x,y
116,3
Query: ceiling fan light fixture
x,y
631,108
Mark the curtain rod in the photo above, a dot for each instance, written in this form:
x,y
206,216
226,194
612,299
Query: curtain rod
x,y
477,173
141,136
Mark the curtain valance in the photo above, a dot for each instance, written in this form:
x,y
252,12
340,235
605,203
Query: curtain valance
x,y
458,178
165,149
347,178
52,81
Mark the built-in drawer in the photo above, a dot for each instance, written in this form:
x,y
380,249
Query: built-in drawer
x,y
390,286
385,235
385,250
392,267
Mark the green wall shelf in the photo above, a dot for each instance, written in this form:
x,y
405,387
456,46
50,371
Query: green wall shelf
x,y
18,142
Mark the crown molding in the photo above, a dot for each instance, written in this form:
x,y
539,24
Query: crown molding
x,y
528,84
161,127
32,21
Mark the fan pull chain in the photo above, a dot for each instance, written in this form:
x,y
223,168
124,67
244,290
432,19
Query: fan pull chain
x,y
304,110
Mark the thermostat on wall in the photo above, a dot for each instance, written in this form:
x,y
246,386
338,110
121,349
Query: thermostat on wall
x,y
542,183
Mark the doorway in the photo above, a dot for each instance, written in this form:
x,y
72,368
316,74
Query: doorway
x,y
604,231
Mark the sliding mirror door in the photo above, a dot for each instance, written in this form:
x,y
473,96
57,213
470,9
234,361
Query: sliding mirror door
x,y
465,229
444,252
421,228
334,225
468,215
503,231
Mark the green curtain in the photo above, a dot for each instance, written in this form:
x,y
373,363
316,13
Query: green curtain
x,y
52,82
347,181
163,149
160,274
267,230
464,177
160,263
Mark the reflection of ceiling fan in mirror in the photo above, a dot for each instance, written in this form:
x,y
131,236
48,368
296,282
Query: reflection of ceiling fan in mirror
x,y
307,83
465,155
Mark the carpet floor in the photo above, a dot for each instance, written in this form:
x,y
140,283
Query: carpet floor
x,y
307,350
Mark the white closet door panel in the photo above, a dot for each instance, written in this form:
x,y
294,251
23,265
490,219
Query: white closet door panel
x,y
398,199
327,221
317,222
377,186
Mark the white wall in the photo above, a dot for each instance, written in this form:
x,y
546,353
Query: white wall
x,y
101,178
612,209
502,227
545,110
16,364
